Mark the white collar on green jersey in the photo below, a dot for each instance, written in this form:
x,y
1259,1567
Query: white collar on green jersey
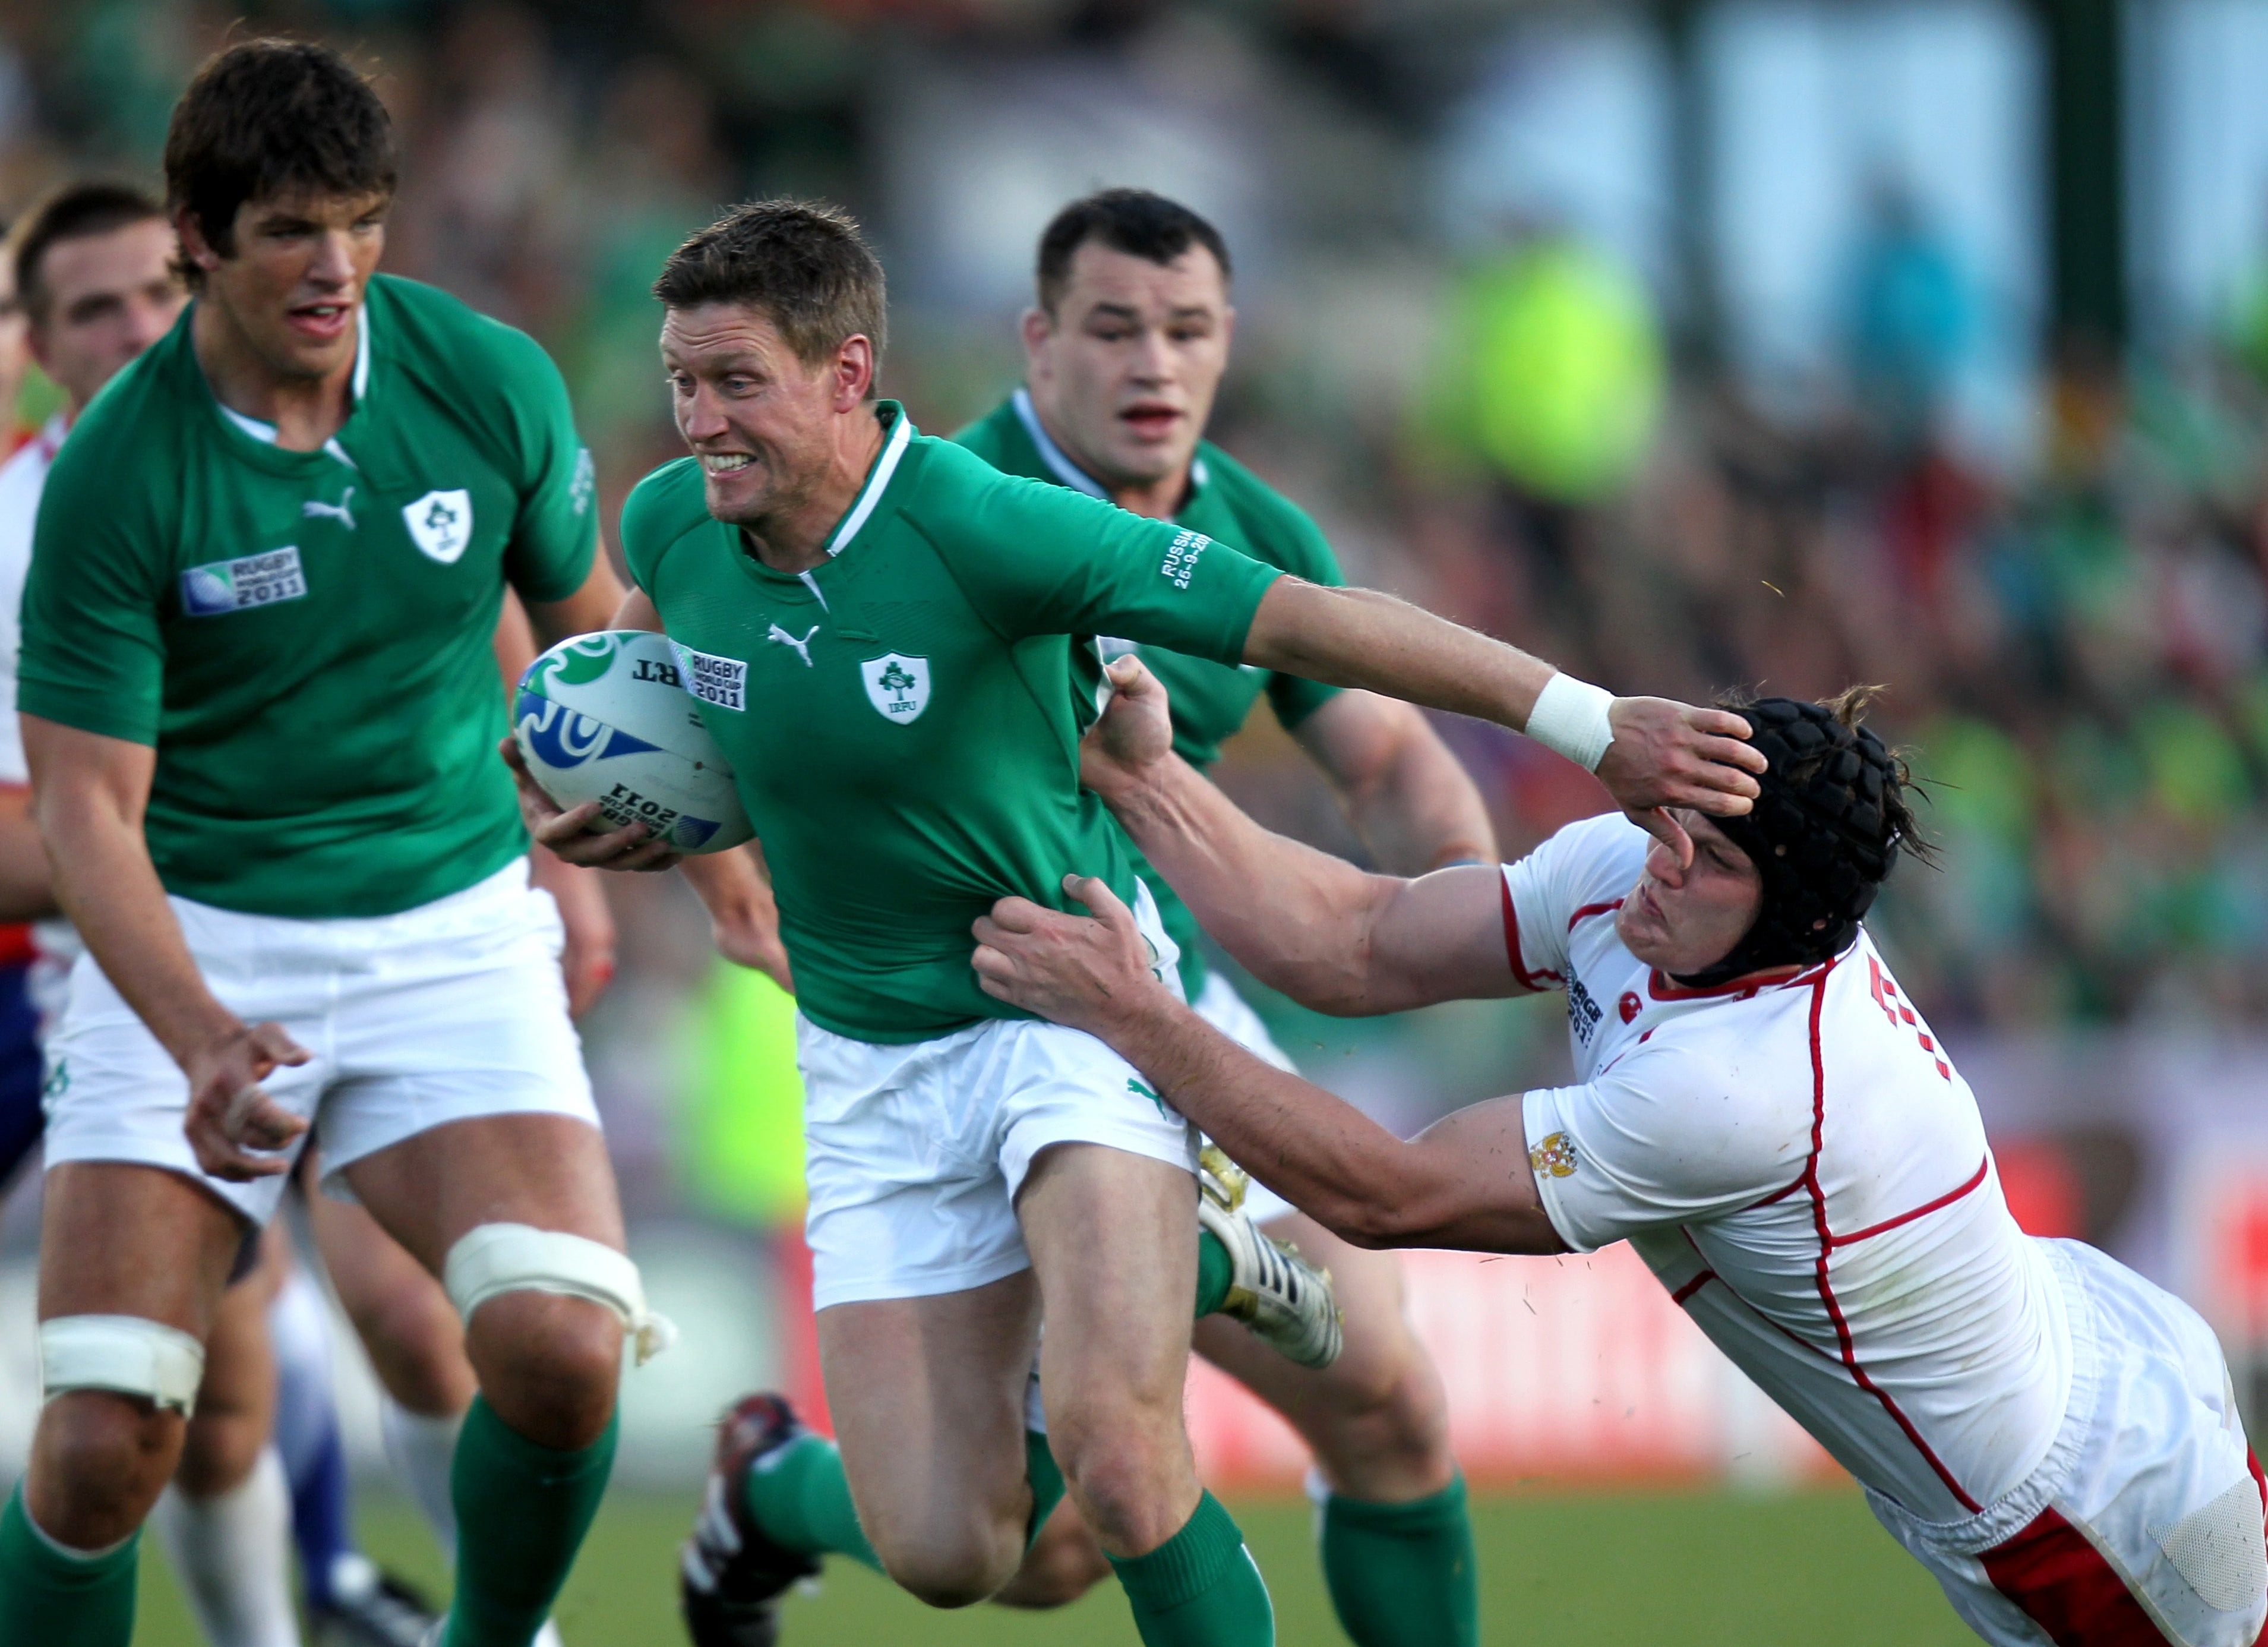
x,y
1059,462
878,482
265,432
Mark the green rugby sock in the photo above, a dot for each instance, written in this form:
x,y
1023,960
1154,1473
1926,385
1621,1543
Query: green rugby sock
x,y
1403,1575
50,1598
1215,1270
801,1500
1047,1483
1200,1587
522,1510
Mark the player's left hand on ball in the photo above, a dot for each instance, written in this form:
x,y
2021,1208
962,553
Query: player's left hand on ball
x,y
236,1131
1667,754
1068,968
578,835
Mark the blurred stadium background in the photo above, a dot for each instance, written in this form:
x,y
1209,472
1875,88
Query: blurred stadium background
x,y
1693,343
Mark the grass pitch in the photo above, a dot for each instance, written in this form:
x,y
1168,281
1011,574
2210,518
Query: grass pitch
x,y
1698,1568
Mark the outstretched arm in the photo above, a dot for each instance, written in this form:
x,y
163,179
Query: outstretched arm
x,y
1662,754
1464,1183
1329,936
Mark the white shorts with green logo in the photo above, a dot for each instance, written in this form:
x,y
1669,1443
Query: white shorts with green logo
x,y
443,1013
914,1154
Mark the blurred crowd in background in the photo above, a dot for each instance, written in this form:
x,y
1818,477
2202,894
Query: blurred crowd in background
x,y
1696,348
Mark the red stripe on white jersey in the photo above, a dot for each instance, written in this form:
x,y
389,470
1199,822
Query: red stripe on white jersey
x,y
1826,1250
2066,1587
1538,980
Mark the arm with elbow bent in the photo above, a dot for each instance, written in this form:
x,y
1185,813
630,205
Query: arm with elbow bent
x,y
734,886
1662,754
1464,1183
91,793
27,883
1409,799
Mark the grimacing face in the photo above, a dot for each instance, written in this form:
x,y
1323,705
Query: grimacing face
x,y
761,421
1685,921
107,297
1124,373
292,285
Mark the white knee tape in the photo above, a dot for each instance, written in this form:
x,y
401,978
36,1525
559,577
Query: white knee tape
x,y
495,1259
123,1353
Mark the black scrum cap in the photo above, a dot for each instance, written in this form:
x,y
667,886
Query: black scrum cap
x,y
1823,833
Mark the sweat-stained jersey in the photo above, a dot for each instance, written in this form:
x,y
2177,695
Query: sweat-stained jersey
x,y
1803,1168
306,637
1210,701
904,718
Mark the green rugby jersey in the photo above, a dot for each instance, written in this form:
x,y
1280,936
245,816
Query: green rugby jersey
x,y
306,637
904,718
1210,701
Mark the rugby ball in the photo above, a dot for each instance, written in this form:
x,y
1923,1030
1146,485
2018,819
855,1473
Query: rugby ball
x,y
605,717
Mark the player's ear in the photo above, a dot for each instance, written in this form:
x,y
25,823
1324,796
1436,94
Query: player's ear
x,y
854,371
197,250
1038,327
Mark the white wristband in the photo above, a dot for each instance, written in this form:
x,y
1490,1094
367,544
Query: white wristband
x,y
1571,717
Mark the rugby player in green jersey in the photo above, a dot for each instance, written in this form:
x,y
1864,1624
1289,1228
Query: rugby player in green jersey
x,y
882,633
1125,349
258,695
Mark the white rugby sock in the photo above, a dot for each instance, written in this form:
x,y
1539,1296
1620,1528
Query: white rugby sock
x,y
232,1553
420,1449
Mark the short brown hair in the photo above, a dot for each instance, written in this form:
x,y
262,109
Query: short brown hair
x,y
265,118
803,264
76,211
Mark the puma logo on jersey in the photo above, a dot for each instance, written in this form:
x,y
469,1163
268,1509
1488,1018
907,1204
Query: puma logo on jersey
x,y
802,647
314,509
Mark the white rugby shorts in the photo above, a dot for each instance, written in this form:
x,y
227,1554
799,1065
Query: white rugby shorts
x,y
2144,1524
914,1154
442,1012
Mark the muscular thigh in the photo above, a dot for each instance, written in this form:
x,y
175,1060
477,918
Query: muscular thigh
x,y
416,1344
1113,1237
118,1238
928,1397
548,1171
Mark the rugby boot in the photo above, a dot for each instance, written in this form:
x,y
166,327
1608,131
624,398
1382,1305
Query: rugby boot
x,y
730,1576
379,1611
1286,1302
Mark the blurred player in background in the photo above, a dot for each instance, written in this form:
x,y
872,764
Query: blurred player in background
x,y
1124,351
258,692
1760,1114
883,634
24,863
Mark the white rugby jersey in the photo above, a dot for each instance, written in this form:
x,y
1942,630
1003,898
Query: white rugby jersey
x,y
22,477
1801,1164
